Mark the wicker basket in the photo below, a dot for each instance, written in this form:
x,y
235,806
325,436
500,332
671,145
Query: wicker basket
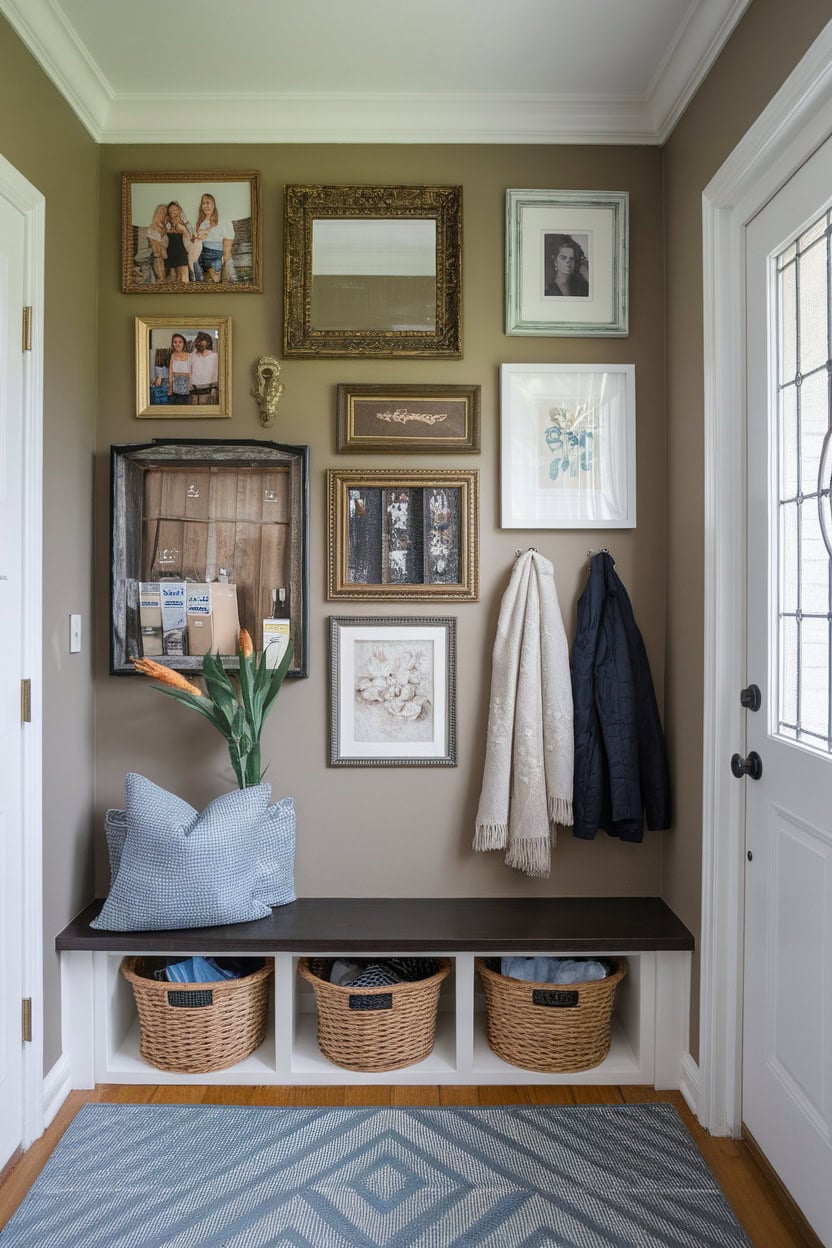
x,y
550,1027
196,1028
374,1029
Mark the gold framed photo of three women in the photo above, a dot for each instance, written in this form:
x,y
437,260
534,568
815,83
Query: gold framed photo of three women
x,y
183,367
192,231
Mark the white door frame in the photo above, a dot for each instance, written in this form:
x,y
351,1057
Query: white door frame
x,y
794,125
31,204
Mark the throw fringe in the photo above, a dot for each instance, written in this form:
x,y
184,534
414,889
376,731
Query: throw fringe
x,y
532,856
560,811
491,836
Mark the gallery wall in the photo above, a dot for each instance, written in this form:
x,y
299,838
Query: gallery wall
x,y
399,831
41,136
388,831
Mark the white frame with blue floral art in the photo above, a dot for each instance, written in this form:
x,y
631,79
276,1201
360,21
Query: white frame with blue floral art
x,y
392,685
568,446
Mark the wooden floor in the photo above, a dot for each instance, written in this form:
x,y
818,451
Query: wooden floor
x,y
757,1206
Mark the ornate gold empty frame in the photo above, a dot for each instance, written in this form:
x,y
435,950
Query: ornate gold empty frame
x,y
407,533
373,271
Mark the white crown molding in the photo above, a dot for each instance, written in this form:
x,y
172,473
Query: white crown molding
x,y
55,46
699,41
378,118
112,117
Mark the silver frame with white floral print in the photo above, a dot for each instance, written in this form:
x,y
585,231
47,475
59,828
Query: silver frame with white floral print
x,y
347,747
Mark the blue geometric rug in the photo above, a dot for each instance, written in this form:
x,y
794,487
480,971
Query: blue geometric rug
x,y
194,1176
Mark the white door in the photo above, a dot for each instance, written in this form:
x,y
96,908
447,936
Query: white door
x,y
787,1013
11,625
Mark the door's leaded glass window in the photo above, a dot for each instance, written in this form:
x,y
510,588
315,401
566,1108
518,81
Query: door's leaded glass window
x,y
804,378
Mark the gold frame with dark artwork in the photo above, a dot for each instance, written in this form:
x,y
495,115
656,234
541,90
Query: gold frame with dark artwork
x,y
399,419
406,534
377,287
146,241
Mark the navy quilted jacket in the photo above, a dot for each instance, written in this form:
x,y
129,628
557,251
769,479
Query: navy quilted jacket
x,y
621,771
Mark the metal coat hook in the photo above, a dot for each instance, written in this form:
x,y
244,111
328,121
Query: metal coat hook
x,y
518,552
602,550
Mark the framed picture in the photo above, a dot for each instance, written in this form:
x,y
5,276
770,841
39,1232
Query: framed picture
x,y
222,521
568,446
394,419
195,232
403,533
372,271
567,263
183,366
392,692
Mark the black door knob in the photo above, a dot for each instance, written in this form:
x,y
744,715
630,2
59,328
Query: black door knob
x,y
751,766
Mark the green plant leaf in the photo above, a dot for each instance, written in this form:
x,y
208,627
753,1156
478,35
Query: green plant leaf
x,y
227,705
221,690
278,676
205,706
250,758
247,679
213,669
240,728
237,762
261,678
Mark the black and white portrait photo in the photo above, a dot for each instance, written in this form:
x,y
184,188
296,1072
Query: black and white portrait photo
x,y
566,265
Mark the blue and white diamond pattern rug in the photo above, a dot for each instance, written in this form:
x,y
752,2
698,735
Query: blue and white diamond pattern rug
x,y
204,1176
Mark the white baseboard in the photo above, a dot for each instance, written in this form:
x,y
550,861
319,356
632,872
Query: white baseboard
x,y
57,1086
690,1083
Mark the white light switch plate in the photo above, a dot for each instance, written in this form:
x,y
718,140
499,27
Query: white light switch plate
x,y
75,634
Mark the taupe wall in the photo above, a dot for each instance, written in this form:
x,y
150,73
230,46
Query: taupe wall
x,y
43,139
401,831
757,59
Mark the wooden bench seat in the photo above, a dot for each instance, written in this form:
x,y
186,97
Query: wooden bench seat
x,y
388,925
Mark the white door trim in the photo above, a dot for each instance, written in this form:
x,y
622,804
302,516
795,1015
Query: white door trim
x,y
32,205
794,125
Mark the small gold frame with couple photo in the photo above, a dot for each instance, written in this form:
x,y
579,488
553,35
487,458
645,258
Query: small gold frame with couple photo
x,y
183,367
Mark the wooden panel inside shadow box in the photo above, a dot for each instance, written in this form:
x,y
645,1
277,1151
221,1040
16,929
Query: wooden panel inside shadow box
x,y
202,523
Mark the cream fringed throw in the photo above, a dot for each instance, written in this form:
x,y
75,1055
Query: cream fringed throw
x,y
527,783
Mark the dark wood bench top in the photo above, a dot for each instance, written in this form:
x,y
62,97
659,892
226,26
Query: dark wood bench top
x,y
404,925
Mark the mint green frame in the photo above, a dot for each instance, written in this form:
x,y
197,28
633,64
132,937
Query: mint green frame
x,y
617,203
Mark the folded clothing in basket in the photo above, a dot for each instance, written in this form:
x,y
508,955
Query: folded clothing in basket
x,y
554,970
363,974
198,970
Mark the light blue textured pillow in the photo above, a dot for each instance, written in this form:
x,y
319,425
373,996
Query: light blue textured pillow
x,y
276,854
179,868
115,826
275,850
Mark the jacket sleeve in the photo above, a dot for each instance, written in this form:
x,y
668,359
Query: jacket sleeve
x,y
653,765
615,700
590,765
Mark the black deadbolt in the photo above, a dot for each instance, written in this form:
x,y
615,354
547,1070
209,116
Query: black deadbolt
x,y
751,698
751,766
